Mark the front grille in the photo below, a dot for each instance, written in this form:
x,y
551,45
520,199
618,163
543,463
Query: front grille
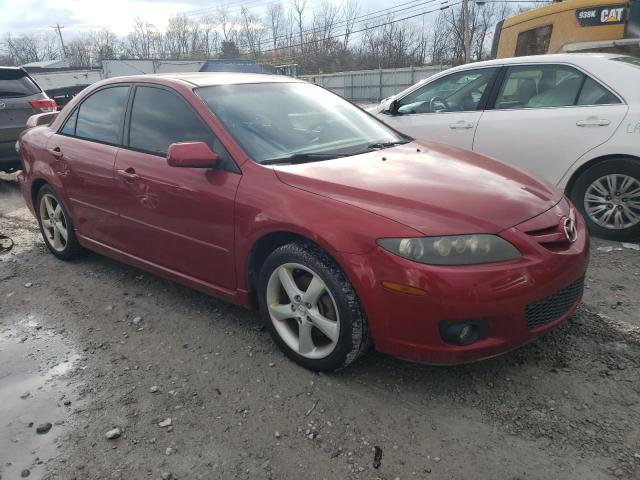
x,y
554,306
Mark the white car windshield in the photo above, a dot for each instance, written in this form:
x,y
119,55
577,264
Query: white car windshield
x,y
282,122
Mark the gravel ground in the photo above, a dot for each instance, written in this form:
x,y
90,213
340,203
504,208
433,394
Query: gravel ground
x,y
94,345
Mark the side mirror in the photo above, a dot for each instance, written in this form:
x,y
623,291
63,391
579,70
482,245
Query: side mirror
x,y
192,155
394,107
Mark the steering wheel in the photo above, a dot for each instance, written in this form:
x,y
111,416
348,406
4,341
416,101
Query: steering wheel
x,y
318,129
443,107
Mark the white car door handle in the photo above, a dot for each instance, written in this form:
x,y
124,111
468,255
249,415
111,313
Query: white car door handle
x,y
461,125
593,122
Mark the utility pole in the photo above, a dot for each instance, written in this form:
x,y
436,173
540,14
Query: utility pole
x,y
64,50
466,35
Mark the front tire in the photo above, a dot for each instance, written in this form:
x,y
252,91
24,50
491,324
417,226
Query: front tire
x,y
311,308
56,225
608,197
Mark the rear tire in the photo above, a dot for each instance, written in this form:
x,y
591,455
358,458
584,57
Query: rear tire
x,y
608,197
326,308
56,225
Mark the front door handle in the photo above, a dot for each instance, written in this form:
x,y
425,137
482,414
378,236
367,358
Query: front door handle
x,y
56,152
593,122
461,125
129,175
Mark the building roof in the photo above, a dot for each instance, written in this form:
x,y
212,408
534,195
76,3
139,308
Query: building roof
x,y
60,63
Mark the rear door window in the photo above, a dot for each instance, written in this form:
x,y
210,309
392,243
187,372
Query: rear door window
x,y
550,86
100,116
16,83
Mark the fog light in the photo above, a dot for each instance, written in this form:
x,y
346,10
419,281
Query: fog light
x,y
466,333
463,332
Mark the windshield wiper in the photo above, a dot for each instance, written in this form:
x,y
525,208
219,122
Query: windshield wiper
x,y
302,158
387,144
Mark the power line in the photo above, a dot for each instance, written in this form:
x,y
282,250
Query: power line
x,y
235,7
442,7
360,19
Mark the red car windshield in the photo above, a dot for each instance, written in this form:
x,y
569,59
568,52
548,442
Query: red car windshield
x,y
279,120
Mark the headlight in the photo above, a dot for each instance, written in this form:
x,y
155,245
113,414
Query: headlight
x,y
453,250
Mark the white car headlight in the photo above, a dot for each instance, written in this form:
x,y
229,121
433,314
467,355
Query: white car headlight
x,y
452,250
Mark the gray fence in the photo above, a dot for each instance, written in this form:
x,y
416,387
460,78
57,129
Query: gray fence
x,y
372,85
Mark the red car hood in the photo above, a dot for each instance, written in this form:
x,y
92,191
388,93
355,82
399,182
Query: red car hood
x,y
440,190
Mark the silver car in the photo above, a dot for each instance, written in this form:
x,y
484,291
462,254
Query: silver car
x,y
20,97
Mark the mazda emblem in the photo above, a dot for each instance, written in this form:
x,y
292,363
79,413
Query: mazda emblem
x,y
3,105
569,228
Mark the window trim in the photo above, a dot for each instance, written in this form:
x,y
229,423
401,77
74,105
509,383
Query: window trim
x,y
482,104
233,168
77,108
505,67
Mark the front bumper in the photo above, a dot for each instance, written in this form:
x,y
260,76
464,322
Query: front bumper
x,y
407,326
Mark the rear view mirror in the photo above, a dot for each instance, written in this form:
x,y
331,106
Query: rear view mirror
x,y
393,107
192,155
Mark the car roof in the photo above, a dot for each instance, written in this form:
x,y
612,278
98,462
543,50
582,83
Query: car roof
x,y
576,58
615,75
205,79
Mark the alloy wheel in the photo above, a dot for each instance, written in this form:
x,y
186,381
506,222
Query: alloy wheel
x,y
613,201
303,310
54,222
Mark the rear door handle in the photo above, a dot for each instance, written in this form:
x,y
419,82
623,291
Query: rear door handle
x,y
56,152
461,125
129,175
593,122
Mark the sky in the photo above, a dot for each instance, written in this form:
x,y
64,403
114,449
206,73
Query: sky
x,y
32,16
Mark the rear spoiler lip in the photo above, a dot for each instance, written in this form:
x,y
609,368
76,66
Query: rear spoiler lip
x,y
41,119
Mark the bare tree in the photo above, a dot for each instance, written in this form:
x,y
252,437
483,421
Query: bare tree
x,y
299,7
210,35
275,22
144,41
252,32
350,12
30,48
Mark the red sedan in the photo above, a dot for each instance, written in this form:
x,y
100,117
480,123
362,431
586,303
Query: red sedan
x,y
276,194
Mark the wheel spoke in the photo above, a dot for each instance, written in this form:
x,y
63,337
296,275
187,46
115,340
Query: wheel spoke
x,y
46,223
63,232
626,184
56,239
326,326
590,197
618,221
288,283
607,215
612,180
281,312
305,342
313,292
57,212
49,206
596,210
600,188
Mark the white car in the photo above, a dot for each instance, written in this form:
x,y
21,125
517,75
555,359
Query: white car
x,y
573,119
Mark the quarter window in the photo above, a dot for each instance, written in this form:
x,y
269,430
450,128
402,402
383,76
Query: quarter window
x,y
70,125
100,115
595,94
534,42
458,92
